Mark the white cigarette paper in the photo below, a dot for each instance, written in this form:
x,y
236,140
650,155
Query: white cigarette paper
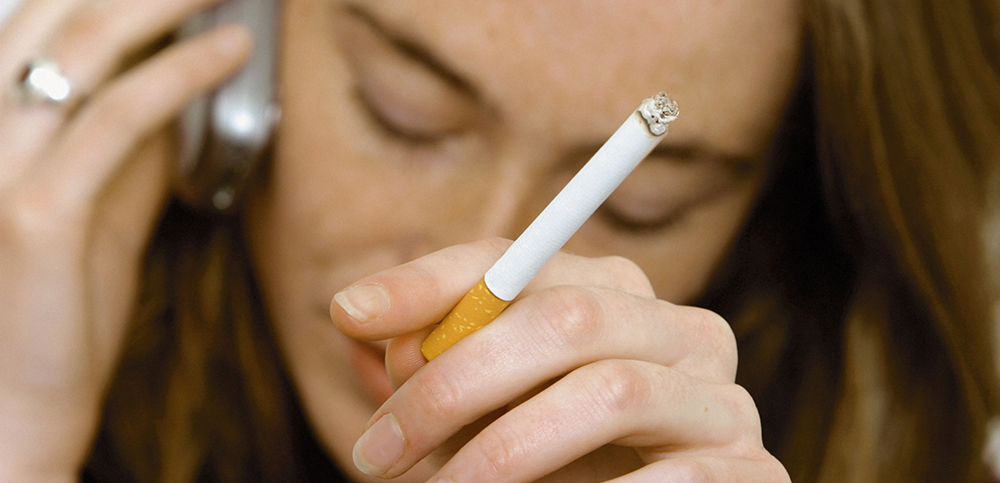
x,y
628,146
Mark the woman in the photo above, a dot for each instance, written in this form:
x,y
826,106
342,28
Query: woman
x,y
792,197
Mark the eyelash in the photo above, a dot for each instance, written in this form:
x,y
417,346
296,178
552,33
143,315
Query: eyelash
x,y
624,224
613,219
389,129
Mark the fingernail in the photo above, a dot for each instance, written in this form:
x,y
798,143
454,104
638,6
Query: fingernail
x,y
378,450
364,302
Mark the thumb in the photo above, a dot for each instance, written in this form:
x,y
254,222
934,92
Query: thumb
x,y
403,357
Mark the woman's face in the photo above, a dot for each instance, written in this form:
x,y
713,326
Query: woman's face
x,y
411,125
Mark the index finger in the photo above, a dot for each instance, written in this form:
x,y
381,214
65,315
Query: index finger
x,y
418,294
414,295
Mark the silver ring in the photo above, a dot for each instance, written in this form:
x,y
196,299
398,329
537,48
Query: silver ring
x,y
42,81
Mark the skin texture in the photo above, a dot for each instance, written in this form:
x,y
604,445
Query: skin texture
x,y
410,131
413,126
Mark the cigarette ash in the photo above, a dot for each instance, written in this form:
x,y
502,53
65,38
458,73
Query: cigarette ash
x,y
658,111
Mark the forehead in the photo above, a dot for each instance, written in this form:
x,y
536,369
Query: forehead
x,y
729,63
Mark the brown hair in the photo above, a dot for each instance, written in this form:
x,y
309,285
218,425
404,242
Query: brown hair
x,y
858,291
899,384
200,393
908,110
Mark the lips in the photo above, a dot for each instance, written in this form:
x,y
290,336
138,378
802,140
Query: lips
x,y
368,361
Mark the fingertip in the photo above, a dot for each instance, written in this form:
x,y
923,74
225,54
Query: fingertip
x,y
353,308
412,296
233,40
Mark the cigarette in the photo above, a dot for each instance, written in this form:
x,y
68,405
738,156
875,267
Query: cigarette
x,y
547,234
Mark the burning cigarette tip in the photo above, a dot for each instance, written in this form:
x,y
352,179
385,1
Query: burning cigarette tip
x,y
659,111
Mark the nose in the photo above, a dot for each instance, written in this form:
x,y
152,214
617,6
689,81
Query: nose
x,y
498,195
505,207
500,201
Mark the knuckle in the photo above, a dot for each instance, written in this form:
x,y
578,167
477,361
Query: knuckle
x,y
570,316
718,342
619,386
500,452
441,396
743,408
633,276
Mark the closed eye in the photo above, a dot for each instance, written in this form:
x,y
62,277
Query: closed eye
x,y
407,94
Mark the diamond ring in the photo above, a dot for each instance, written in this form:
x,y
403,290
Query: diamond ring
x,y
42,81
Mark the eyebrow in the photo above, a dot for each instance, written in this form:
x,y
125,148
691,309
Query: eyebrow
x,y
414,50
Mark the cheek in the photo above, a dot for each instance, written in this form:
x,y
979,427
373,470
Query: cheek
x,y
337,204
683,271
321,196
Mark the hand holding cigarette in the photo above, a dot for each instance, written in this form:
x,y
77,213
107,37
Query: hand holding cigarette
x,y
547,234
639,387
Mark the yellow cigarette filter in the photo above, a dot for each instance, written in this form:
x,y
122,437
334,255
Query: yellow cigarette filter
x,y
476,309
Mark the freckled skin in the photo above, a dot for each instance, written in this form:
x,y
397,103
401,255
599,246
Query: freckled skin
x,y
342,200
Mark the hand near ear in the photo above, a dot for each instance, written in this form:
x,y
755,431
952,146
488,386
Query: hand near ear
x,y
81,187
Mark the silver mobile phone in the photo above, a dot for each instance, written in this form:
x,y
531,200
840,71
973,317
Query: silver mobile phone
x,y
224,134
